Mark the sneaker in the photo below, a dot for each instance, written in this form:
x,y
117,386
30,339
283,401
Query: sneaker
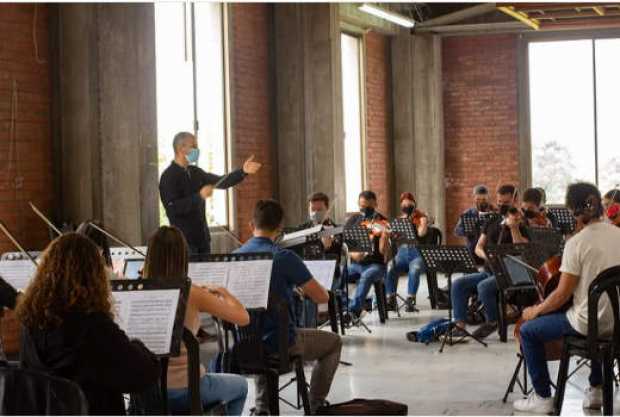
x,y
410,304
593,398
392,304
534,404
485,330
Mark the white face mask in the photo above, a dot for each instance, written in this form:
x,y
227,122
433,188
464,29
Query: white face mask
x,y
317,216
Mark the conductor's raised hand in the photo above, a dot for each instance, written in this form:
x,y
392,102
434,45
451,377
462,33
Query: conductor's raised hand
x,y
250,166
206,191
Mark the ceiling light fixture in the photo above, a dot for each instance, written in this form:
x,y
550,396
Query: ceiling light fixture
x,y
387,15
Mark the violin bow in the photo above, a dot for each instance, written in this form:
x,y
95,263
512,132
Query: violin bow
x,y
45,219
117,239
19,247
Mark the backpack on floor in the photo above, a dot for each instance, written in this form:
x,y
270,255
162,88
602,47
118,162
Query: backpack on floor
x,y
361,407
429,332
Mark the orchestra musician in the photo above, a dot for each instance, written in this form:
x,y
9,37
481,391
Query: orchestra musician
x,y
407,259
288,273
184,187
505,230
167,258
318,213
8,300
68,328
534,211
611,206
591,250
481,207
368,267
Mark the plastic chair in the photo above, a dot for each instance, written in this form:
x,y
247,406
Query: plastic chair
x,y
605,350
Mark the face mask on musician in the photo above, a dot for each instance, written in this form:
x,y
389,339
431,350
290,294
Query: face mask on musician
x,y
193,155
317,216
367,211
529,213
408,209
482,206
504,209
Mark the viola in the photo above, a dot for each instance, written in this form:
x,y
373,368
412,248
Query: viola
x,y
376,227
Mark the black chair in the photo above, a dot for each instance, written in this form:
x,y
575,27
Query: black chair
x,y
592,346
27,392
250,358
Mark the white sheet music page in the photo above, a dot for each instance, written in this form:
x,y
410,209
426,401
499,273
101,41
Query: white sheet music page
x,y
147,316
249,282
18,273
323,272
302,233
208,273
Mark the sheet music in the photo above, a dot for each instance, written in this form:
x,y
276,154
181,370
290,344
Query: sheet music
x,y
212,273
17,273
249,282
302,233
323,272
147,316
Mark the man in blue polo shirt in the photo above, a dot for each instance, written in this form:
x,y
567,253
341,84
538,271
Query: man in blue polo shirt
x,y
290,272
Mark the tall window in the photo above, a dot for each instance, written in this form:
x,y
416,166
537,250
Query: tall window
x,y
574,92
191,89
352,118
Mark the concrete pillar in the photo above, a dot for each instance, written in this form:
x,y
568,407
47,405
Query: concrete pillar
x,y
108,116
418,121
309,106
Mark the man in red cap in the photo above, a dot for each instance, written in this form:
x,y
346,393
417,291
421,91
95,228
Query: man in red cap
x,y
407,259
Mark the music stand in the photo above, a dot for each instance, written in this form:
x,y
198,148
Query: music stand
x,y
471,224
566,221
489,217
405,230
551,239
448,260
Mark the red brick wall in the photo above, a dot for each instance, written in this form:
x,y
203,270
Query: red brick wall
x,y
378,119
25,138
251,100
480,117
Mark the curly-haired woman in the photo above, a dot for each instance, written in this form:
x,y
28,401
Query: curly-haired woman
x,y
69,329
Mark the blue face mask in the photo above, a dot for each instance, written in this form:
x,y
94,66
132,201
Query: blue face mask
x,y
193,155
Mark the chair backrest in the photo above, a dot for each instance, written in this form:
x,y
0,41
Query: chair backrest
x,y
193,372
433,237
607,282
27,392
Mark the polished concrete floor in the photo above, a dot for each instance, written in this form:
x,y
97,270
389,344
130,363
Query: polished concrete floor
x,y
466,379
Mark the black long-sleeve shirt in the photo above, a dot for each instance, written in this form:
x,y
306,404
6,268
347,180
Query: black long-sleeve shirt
x,y
179,189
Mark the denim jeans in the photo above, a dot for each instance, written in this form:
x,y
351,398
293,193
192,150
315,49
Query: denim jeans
x,y
368,275
214,388
409,260
534,334
464,286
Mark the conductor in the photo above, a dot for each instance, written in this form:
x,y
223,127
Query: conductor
x,y
184,187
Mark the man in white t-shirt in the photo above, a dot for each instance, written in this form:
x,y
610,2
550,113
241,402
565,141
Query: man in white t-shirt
x,y
590,251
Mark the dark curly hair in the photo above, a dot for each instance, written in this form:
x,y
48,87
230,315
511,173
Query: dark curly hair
x,y
70,278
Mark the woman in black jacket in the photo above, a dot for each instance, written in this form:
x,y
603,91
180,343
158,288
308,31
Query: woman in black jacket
x,y
69,329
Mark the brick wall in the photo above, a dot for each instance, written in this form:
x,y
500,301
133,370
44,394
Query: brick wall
x,y
251,100
378,119
480,117
25,138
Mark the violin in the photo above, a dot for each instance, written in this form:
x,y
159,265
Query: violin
x,y
416,217
376,227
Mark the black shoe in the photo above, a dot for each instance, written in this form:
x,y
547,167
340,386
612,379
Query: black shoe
x,y
392,304
485,330
410,304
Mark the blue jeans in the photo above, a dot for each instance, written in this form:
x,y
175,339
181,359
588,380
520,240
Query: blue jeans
x,y
465,286
409,260
214,388
534,334
368,275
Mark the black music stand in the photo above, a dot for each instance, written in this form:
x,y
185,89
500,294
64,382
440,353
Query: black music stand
x,y
405,230
551,239
471,224
448,260
566,221
488,217
183,284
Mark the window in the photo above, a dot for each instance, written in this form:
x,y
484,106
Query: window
x,y
573,98
191,89
351,50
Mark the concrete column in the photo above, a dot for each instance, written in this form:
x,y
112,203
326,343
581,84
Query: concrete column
x,y
309,106
108,116
418,121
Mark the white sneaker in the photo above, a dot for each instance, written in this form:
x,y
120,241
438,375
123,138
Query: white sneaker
x,y
534,404
593,398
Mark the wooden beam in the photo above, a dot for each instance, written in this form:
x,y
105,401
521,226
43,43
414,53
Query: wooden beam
x,y
599,10
459,16
512,26
531,7
574,15
599,23
520,16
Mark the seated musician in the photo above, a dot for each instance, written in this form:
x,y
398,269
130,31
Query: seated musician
x,y
102,243
407,259
534,211
611,207
481,206
69,331
318,213
289,272
591,250
167,258
506,230
369,267
8,299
